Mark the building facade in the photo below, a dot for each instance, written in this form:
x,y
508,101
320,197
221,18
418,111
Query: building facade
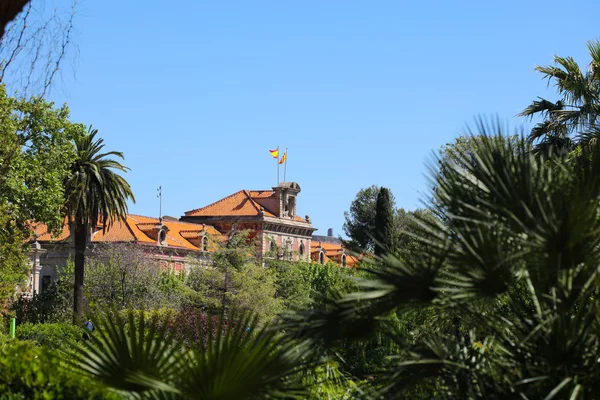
x,y
269,215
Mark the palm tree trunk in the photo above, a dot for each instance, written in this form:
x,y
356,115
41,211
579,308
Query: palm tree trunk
x,y
80,239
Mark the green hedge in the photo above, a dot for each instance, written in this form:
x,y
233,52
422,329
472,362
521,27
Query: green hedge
x,y
29,372
51,336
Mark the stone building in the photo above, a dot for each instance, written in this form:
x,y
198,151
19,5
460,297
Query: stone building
x,y
270,216
168,241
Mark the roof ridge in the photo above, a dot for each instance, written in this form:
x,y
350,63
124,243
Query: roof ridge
x,y
216,202
139,215
260,190
135,238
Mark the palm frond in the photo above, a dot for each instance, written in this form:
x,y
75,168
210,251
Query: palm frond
x,y
244,361
132,355
237,360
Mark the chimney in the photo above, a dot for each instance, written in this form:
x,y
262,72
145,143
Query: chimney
x,y
330,232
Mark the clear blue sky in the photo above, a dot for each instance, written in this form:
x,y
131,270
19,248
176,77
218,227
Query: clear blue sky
x,y
361,92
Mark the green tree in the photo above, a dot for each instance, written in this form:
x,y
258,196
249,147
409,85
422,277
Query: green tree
x,y
407,227
291,285
54,304
121,276
94,194
236,280
359,224
576,111
511,276
384,222
35,153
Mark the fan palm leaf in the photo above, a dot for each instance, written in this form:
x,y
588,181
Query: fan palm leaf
x,y
237,359
512,270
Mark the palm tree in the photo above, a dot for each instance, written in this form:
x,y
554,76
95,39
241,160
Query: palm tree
x,y
139,356
94,194
578,108
511,273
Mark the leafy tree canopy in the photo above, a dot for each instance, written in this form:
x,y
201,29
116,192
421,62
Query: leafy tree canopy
x,y
359,223
35,154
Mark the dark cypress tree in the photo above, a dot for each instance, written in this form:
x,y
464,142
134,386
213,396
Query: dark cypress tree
x,y
384,222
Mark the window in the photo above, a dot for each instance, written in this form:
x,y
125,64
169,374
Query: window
x,y
291,207
344,260
322,257
301,249
162,237
204,243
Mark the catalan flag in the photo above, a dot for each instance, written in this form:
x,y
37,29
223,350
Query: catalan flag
x,y
284,157
275,153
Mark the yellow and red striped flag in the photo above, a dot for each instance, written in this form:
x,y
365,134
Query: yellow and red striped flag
x,y
284,157
275,153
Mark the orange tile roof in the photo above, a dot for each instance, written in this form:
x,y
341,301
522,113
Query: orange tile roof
x,y
261,194
137,228
240,203
41,230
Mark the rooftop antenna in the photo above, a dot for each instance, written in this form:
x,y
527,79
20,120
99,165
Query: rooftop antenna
x,y
159,195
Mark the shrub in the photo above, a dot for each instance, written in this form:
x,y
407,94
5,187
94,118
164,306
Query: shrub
x,y
52,336
54,304
188,325
28,372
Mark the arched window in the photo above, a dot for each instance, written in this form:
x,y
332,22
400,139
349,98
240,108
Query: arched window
x,y
162,237
343,260
271,245
301,249
204,243
322,257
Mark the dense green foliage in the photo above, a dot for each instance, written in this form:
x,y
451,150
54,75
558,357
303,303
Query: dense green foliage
x,y
240,360
51,336
35,153
510,273
359,221
54,304
30,372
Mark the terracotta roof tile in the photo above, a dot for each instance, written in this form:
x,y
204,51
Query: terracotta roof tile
x,y
237,204
42,231
136,228
118,232
261,194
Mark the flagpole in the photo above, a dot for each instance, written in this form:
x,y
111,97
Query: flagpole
x,y
285,165
277,165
